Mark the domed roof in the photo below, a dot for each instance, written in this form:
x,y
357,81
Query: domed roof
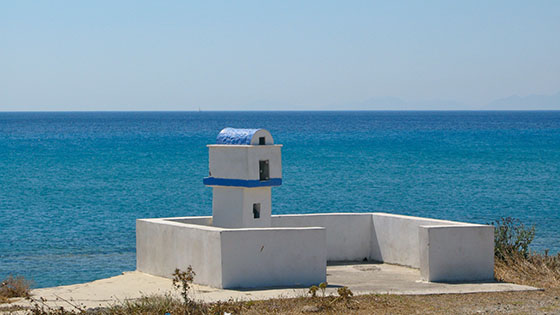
x,y
244,136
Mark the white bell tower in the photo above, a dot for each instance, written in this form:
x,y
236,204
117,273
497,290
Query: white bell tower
x,y
244,164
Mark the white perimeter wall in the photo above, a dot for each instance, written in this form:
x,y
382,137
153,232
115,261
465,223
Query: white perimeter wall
x,y
231,258
395,238
294,251
273,257
442,250
457,253
162,246
348,234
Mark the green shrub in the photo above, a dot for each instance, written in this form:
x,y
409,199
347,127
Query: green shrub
x,y
512,238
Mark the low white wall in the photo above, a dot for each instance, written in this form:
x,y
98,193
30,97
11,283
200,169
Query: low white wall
x,y
295,250
231,258
348,234
206,220
457,253
273,257
395,238
442,250
163,245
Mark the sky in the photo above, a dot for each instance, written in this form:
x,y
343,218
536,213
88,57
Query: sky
x,y
275,55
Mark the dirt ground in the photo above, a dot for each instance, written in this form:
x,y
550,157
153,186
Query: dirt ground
x,y
535,302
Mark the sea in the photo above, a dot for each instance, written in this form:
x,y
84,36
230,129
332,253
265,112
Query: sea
x,y
72,184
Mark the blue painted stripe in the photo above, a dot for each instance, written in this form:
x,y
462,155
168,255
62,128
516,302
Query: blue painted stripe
x,y
213,181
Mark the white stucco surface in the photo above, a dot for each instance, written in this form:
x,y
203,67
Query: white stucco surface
x,y
242,161
226,258
203,220
232,207
395,238
457,253
348,234
268,140
273,257
163,245
296,248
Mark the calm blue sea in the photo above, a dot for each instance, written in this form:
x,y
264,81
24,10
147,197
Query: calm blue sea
x,y
73,184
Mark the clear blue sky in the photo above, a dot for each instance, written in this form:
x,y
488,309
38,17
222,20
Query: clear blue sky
x,y
237,55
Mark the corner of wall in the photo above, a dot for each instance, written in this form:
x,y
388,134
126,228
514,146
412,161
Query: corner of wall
x,y
424,252
374,251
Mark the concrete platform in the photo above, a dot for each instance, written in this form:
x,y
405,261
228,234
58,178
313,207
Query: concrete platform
x,y
361,278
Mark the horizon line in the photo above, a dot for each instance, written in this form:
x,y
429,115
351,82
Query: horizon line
x,y
277,110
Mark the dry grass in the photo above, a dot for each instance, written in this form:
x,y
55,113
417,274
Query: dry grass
x,y
536,270
13,287
535,302
161,304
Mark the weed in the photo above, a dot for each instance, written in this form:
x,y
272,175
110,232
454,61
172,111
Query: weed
x,y
14,287
40,307
153,304
229,307
345,293
313,291
182,281
515,262
512,238
323,287
326,303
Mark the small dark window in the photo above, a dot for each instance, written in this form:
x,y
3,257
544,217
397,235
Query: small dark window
x,y
264,173
262,140
256,210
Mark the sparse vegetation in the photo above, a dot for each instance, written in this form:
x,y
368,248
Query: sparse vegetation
x,y
327,302
512,238
345,294
536,270
514,262
323,287
13,287
182,281
313,291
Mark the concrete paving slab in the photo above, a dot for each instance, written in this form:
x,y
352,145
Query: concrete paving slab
x,y
361,278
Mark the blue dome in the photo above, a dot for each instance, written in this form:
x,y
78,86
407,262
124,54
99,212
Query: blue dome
x,y
242,136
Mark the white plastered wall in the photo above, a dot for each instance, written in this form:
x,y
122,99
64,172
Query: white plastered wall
x,y
231,258
273,257
348,234
268,140
442,250
457,253
163,245
232,207
242,161
395,237
439,248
